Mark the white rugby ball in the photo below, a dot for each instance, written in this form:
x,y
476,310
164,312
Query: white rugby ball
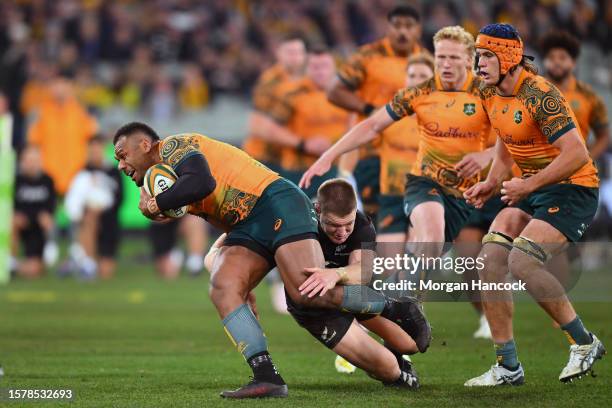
x,y
158,179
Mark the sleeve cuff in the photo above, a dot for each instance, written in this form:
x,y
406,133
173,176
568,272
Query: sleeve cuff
x,y
392,113
347,83
553,138
187,155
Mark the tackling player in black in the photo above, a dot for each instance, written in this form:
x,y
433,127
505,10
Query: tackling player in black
x,y
342,231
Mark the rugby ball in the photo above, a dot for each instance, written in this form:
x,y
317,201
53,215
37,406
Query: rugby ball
x,y
158,179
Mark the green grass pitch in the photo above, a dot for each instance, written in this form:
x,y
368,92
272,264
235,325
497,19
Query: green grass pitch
x,y
139,342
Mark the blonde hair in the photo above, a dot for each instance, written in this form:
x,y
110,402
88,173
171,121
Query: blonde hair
x,y
456,33
421,58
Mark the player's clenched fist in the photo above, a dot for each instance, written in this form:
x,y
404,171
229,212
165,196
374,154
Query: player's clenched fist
x,y
148,207
514,190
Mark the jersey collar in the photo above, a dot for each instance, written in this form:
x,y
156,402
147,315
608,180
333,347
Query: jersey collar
x,y
522,77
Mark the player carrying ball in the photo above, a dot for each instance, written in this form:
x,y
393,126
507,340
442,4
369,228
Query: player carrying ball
x,y
343,233
269,221
552,203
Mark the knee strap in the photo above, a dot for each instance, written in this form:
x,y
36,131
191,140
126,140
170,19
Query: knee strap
x,y
498,238
532,249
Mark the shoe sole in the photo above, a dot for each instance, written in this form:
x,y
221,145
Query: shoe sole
x,y
277,393
424,339
601,351
516,383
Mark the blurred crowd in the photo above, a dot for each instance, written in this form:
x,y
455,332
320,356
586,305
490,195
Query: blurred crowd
x,y
64,63
163,56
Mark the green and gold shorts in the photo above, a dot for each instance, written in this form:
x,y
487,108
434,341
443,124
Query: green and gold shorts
x,y
282,214
567,207
423,189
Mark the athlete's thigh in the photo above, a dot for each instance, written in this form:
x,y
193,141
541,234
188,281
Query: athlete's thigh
x,y
542,232
391,244
510,221
397,237
292,258
468,242
427,213
239,268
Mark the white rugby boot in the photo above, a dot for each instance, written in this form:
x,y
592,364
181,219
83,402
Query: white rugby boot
x,y
581,359
498,375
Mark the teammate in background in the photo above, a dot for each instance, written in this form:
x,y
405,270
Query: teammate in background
x,y
34,205
269,222
342,232
551,204
560,51
168,256
266,136
452,124
92,205
303,110
368,80
398,152
264,132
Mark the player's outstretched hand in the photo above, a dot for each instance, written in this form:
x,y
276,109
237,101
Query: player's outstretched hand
x,y
514,190
472,164
319,168
320,281
479,193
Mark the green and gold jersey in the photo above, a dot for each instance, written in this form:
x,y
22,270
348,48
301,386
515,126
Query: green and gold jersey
x,y
304,109
376,73
240,179
588,107
265,96
529,121
451,125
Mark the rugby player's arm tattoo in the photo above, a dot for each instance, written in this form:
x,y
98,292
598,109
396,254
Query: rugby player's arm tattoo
x,y
194,183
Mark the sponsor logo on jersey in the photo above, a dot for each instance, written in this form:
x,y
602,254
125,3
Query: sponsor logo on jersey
x,y
325,337
469,108
518,117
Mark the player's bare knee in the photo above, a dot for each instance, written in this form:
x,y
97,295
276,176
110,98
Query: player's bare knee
x,y
494,254
526,257
223,290
495,267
